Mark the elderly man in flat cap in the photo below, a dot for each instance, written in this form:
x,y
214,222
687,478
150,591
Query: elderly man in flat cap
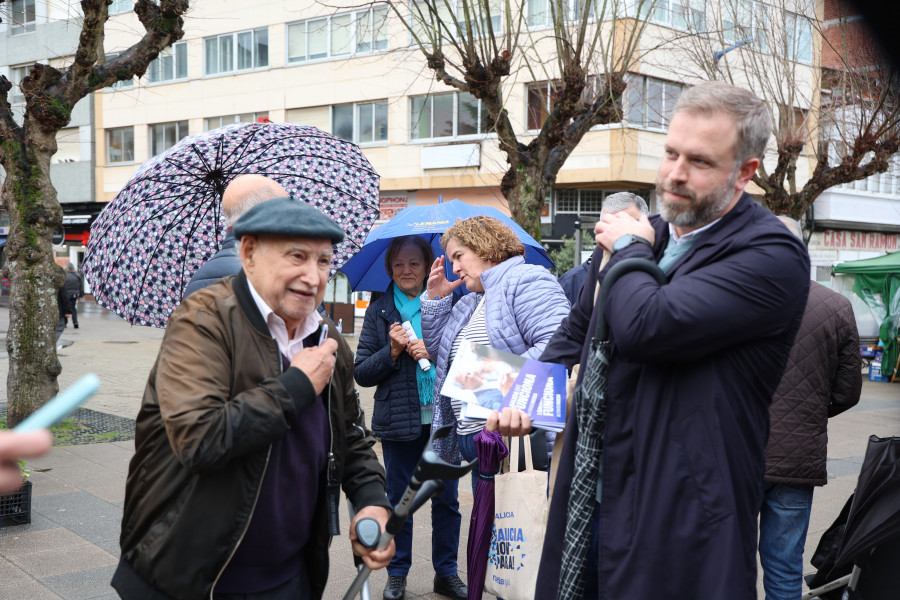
x,y
249,427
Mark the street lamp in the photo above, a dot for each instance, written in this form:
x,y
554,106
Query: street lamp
x,y
720,53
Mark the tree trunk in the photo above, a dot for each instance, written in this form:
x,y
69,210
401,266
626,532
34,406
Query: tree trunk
x,y
34,276
525,192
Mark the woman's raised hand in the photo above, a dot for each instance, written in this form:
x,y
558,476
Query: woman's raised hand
x,y
438,286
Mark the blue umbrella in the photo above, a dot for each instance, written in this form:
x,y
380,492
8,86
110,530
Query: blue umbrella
x,y
366,271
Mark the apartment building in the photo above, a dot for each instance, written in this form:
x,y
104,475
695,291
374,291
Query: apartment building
x,y
860,219
352,72
47,31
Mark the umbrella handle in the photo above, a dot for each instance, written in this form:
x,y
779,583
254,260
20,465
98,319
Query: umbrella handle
x,y
615,272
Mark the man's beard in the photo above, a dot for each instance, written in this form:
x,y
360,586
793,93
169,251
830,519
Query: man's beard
x,y
695,213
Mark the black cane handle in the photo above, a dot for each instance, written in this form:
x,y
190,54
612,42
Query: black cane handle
x,y
617,270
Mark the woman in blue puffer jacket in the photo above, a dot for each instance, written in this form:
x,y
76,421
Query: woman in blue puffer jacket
x,y
515,307
401,419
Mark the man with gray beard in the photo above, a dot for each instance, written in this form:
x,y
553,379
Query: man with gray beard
x,y
693,364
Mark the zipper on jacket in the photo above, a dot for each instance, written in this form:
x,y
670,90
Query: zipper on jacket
x,y
246,527
255,499
332,485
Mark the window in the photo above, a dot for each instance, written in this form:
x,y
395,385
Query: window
x,y
17,74
798,35
120,145
21,17
648,101
541,97
450,115
363,123
587,203
422,20
880,183
119,85
792,123
120,6
744,21
681,14
538,14
239,51
216,122
170,65
164,135
361,32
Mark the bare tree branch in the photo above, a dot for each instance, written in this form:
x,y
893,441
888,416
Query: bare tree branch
x,y
850,133
577,53
27,193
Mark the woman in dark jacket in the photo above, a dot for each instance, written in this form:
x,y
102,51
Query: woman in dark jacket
x,y
388,358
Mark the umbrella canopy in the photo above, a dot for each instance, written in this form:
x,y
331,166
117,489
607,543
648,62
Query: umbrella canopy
x,y
366,271
590,410
491,451
875,513
167,220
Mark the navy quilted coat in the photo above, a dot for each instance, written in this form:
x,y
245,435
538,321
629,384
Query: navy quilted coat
x,y
524,307
397,415
225,262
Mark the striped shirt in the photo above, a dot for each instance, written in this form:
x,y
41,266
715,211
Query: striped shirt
x,y
474,331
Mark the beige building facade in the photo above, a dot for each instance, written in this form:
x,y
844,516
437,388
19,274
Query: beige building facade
x,y
353,73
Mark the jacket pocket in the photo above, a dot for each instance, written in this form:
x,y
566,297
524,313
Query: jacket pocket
x,y
381,411
700,456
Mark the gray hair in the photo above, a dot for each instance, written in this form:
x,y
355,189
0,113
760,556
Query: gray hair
x,y
70,268
623,201
793,225
749,113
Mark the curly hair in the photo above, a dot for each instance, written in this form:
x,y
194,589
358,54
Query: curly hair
x,y
487,237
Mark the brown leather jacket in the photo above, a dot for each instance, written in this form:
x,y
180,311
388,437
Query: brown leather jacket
x,y
215,401
822,379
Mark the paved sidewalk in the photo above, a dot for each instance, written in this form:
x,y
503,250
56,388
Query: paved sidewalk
x,y
70,549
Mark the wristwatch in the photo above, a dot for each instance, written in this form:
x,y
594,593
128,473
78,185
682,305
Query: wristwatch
x,y
627,240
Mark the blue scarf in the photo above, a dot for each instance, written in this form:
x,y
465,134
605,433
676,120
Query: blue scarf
x,y
411,310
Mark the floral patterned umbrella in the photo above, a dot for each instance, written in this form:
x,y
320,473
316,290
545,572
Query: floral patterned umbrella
x,y
167,221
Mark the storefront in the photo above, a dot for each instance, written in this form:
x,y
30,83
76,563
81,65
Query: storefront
x,y
833,246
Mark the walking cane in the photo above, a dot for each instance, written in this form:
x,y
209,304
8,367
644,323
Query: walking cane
x,y
427,482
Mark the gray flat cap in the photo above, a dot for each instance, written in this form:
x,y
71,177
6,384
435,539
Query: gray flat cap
x,y
287,216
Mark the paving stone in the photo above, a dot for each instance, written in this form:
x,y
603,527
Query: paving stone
x,y
16,584
91,584
38,522
15,544
71,547
84,514
839,467
52,562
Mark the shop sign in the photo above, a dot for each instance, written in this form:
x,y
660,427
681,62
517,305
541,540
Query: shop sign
x,y
391,205
856,240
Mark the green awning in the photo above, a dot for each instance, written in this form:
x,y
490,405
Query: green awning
x,y
889,263
880,275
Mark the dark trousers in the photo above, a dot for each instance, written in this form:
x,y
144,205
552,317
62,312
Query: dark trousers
x,y
400,459
74,306
297,588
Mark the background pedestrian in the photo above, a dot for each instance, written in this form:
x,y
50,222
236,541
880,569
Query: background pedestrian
x,y
404,404
822,379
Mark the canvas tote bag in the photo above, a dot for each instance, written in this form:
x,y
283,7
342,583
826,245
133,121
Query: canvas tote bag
x,y
520,520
